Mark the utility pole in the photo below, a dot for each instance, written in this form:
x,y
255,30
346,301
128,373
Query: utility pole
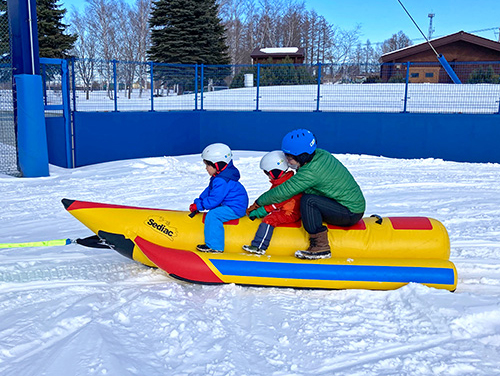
x,y
431,30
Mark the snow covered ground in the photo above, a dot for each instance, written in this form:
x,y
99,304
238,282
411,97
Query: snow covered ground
x,y
422,98
71,310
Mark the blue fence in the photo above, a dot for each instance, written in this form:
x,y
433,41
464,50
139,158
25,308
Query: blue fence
x,y
399,110
114,86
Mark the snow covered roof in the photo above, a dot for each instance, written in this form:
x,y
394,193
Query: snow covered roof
x,y
277,52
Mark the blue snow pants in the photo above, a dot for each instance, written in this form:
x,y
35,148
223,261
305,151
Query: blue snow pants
x,y
214,230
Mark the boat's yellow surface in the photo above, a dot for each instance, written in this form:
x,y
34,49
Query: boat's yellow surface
x,y
373,254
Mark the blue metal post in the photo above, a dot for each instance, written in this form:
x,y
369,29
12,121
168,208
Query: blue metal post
x,y
319,86
66,112
258,87
44,83
196,87
73,81
24,36
29,115
114,86
406,85
152,91
202,86
449,69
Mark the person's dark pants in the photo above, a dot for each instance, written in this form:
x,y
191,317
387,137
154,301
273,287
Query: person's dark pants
x,y
263,236
318,209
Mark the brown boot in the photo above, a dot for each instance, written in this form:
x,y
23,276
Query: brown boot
x,y
318,248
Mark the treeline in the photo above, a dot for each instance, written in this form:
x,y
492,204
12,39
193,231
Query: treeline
x,y
114,29
195,31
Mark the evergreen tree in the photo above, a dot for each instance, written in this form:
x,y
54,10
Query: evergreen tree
x,y
187,32
52,41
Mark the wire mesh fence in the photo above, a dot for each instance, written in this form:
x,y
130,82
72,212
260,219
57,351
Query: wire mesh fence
x,y
8,143
396,87
52,88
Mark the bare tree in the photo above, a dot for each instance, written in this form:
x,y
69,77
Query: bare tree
x,y
103,24
85,49
396,42
254,24
133,36
139,23
233,12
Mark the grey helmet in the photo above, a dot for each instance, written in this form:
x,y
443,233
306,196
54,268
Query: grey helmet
x,y
217,153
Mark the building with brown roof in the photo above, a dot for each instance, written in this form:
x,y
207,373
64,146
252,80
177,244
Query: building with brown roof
x,y
464,52
277,55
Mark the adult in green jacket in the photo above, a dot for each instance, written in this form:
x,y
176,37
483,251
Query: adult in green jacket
x,y
330,193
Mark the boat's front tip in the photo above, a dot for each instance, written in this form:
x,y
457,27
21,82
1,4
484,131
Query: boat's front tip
x,y
67,203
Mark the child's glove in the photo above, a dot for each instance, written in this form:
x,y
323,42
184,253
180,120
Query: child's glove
x,y
193,208
252,208
258,213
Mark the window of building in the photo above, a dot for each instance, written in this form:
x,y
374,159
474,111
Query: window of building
x,y
415,75
429,74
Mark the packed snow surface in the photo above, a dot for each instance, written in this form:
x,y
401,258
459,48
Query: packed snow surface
x,y
71,310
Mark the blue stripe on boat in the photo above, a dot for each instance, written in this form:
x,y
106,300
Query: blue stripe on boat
x,y
366,273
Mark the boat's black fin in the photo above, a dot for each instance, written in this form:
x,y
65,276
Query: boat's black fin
x,y
93,242
119,243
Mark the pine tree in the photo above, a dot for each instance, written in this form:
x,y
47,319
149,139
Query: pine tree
x,y
187,32
52,41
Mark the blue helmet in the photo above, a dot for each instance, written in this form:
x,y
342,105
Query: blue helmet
x,y
298,141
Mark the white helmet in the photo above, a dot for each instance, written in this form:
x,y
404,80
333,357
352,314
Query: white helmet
x,y
274,160
217,153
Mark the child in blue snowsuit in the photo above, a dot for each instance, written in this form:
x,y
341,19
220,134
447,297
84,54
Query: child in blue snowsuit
x,y
225,198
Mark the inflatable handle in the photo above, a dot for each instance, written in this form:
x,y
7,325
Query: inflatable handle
x,y
379,218
193,213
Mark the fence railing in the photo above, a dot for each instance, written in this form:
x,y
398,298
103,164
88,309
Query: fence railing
x,y
8,137
397,87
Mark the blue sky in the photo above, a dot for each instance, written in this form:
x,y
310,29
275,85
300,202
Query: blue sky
x,y
379,19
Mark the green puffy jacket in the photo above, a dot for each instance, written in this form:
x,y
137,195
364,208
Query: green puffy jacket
x,y
325,176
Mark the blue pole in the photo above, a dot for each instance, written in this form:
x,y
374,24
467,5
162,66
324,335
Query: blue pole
x,y
73,80
196,87
114,86
24,36
152,86
319,86
44,83
66,112
29,114
202,88
448,69
32,145
258,87
406,85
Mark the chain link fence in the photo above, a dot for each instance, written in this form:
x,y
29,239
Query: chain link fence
x,y
396,87
8,143
52,88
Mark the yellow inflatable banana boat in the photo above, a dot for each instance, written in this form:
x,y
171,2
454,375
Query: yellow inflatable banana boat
x,y
376,253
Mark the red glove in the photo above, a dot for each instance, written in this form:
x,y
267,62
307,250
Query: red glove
x,y
193,208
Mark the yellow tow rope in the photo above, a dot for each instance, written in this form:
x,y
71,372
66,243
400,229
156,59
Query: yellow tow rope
x,y
44,243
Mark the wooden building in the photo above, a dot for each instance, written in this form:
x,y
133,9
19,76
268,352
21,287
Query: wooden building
x,y
278,54
464,52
